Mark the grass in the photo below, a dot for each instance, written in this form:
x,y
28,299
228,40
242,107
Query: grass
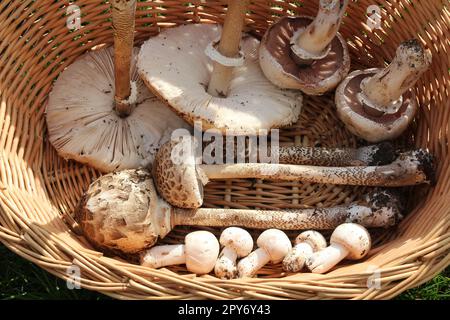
x,y
20,279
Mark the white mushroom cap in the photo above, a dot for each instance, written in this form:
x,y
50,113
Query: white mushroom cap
x,y
354,238
313,238
362,124
202,250
237,239
276,243
174,66
83,124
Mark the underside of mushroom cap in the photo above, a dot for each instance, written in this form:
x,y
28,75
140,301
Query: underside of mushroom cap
x,y
281,69
365,122
84,126
175,67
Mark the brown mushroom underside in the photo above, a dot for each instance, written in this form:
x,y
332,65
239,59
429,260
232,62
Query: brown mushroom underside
x,y
280,48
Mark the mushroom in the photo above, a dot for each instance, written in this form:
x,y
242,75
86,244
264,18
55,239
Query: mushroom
x,y
348,241
273,246
306,244
305,53
199,253
100,112
379,104
216,84
180,179
237,243
122,213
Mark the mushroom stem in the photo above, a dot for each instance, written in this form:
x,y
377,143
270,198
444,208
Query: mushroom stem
x,y
254,261
226,264
382,90
228,47
123,14
327,258
165,255
319,34
408,169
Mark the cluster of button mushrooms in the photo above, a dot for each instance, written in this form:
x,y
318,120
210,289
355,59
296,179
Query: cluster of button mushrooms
x,y
115,109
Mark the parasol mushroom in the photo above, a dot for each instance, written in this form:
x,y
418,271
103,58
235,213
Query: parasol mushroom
x,y
306,244
305,53
199,253
100,112
122,213
180,179
379,104
217,84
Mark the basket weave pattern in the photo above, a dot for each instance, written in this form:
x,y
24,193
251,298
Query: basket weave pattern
x,y
39,190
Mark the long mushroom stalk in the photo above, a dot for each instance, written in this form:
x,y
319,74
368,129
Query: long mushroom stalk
x,y
123,14
122,212
383,90
311,43
228,47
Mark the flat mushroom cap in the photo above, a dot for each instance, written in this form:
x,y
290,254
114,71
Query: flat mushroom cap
x,y
115,212
202,250
315,239
174,66
176,176
364,121
238,239
276,243
281,69
354,237
84,126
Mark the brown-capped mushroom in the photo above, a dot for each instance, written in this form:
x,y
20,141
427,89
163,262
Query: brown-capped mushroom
x,y
217,84
348,241
305,53
273,246
379,104
236,243
199,253
122,213
180,177
99,112
306,244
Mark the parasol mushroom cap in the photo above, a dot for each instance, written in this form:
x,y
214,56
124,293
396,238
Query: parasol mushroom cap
x,y
175,67
354,238
202,251
84,126
281,68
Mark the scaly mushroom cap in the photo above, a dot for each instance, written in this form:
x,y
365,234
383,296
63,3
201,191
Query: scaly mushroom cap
x,y
313,238
276,243
174,66
354,237
177,179
202,250
281,69
84,126
237,239
115,212
365,122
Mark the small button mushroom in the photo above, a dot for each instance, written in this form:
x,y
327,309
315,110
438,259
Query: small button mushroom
x,y
237,243
199,253
273,245
348,241
306,244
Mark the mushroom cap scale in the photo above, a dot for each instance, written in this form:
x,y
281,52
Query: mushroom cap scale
x,y
237,239
354,238
281,69
174,66
202,250
366,123
84,126
276,244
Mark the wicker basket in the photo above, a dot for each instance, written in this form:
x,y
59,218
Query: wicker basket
x,y
39,190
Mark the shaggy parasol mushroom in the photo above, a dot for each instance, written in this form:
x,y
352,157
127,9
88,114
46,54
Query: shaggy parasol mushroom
x,y
180,179
379,104
199,253
100,112
348,241
237,243
224,87
306,54
273,246
306,244
122,213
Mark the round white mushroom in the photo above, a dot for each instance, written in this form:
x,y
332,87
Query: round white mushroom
x,y
306,244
